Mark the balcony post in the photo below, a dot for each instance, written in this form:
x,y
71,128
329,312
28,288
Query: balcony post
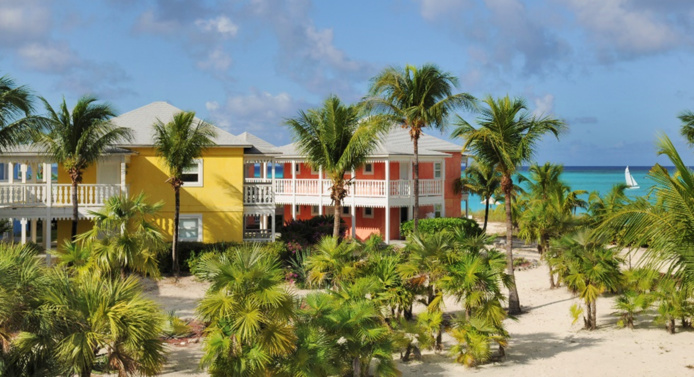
x,y
10,170
47,237
23,222
293,190
387,201
443,188
320,191
354,207
123,167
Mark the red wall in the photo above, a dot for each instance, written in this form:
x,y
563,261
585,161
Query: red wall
x,y
451,175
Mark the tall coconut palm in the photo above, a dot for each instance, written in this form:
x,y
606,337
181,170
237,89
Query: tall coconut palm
x,y
507,136
179,142
79,138
687,130
335,138
15,113
417,98
482,180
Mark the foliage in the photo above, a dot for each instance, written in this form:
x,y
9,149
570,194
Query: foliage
x,y
637,295
15,113
507,137
674,301
301,234
416,98
482,180
332,262
336,139
76,139
179,142
436,225
174,327
588,268
249,312
190,253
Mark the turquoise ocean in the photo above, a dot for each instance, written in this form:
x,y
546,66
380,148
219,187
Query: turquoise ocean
x,y
591,178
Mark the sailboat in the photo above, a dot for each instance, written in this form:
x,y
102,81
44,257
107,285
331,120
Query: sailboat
x,y
631,182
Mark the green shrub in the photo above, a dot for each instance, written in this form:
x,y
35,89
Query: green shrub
x,y
273,249
430,226
188,251
300,234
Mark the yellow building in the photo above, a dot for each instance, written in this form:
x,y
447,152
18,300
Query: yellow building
x,y
214,198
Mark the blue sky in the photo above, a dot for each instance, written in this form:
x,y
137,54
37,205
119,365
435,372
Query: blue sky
x,y
618,71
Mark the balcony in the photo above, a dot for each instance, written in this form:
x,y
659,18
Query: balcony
x,y
33,195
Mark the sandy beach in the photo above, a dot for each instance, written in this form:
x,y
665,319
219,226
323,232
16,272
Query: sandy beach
x,y
543,340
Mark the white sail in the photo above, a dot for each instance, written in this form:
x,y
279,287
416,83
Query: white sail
x,y
631,182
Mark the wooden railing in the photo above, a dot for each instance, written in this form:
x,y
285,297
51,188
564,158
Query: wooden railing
x,y
35,194
257,235
361,188
258,194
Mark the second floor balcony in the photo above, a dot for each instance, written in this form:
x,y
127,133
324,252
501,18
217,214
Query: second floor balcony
x,y
32,195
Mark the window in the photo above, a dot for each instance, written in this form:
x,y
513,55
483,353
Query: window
x,y
369,169
437,210
314,171
368,213
190,228
3,172
297,168
314,210
297,209
437,170
192,175
345,211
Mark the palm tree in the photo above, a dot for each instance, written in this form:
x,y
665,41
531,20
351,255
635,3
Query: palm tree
x,y
79,138
507,136
332,261
179,142
15,113
336,139
417,98
123,238
481,180
249,312
687,118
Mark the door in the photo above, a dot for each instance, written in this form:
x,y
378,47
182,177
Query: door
x,y
404,171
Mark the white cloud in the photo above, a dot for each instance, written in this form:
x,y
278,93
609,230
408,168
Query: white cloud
x,y
626,28
148,22
222,25
432,9
544,106
217,60
24,20
51,57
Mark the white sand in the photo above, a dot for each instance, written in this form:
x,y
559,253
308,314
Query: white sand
x,y
543,341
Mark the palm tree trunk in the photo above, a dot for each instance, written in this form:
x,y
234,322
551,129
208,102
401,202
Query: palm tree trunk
x,y
513,299
356,367
594,309
486,214
75,212
175,268
415,215
336,220
85,373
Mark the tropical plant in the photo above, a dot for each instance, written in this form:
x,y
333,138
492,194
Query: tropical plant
x,y
249,311
590,269
481,180
507,136
90,320
179,142
474,337
332,261
637,294
417,98
687,130
335,138
79,138
436,225
123,238
15,113
675,301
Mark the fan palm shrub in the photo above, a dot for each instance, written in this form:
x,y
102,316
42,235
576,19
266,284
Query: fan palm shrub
x,y
417,98
178,143
337,139
78,138
333,262
507,136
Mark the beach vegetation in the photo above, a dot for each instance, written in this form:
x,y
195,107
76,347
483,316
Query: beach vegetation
x,y
482,180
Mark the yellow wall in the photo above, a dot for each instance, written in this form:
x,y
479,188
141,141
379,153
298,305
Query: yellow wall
x,y
88,175
219,200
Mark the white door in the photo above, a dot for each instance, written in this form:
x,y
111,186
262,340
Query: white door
x,y
108,172
404,170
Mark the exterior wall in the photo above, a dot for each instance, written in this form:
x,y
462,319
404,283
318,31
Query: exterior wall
x,y
88,175
219,200
452,174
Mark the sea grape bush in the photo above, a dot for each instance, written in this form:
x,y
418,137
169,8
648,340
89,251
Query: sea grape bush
x,y
430,226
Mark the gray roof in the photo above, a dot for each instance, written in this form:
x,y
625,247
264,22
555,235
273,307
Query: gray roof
x,y
141,120
258,145
396,142
33,150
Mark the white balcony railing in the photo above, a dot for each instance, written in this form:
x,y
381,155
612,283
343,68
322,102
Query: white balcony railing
x,y
361,188
258,193
35,194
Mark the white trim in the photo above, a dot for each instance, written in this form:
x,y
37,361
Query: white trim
x,y
297,168
343,214
439,210
199,182
372,168
198,217
315,210
315,172
440,170
365,215
297,209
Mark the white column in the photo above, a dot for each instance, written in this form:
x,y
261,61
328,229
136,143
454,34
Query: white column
x,y
443,188
48,174
23,221
354,207
263,165
272,218
293,190
47,238
123,186
33,224
320,191
23,170
10,169
387,183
